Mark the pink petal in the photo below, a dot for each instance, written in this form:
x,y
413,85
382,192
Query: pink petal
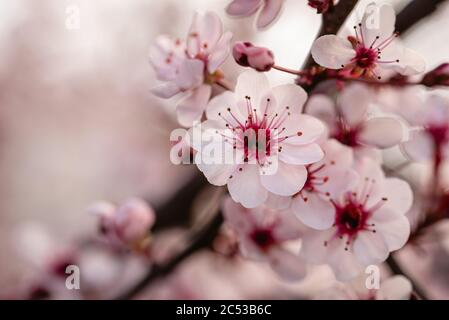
x,y
254,85
399,195
286,181
393,227
219,52
191,107
289,95
277,202
381,132
370,248
245,187
216,174
217,109
354,102
314,211
243,8
204,33
323,108
287,265
236,216
419,147
190,74
269,13
378,20
301,154
302,129
332,52
165,90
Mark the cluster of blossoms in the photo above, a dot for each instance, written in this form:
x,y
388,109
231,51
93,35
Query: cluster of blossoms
x,y
304,171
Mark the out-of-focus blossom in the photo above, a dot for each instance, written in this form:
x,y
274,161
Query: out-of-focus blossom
x,y
393,288
429,139
247,55
369,223
191,67
127,224
267,10
373,51
350,123
263,233
326,180
437,77
264,133
321,6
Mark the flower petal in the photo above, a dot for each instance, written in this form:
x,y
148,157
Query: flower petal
x,y
219,52
243,8
394,228
313,210
191,107
354,102
302,129
381,132
395,288
251,84
205,31
331,51
419,147
286,181
245,187
217,109
289,95
399,195
287,265
165,90
301,154
378,20
370,248
190,74
269,13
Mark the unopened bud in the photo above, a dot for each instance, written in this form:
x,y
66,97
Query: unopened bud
x,y
437,77
247,55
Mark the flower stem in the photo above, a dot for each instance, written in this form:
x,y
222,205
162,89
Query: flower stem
x,y
288,70
224,84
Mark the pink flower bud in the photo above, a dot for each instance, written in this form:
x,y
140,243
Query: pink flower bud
x,y
437,77
247,55
133,220
321,6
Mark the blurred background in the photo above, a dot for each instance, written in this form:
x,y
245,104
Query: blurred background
x,y
77,120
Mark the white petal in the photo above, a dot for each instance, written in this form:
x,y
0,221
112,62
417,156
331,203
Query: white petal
x,y
411,63
289,95
399,195
378,20
204,33
286,181
217,109
165,90
313,247
287,265
393,227
370,248
245,187
301,154
236,216
219,53
253,84
277,202
216,174
243,8
269,13
419,147
323,108
354,102
190,74
191,107
381,132
331,51
302,129
313,210
395,288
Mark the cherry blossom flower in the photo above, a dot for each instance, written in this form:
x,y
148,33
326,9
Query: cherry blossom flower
x,y
326,180
263,234
369,223
373,50
393,288
191,67
429,139
264,132
267,10
247,55
127,224
350,123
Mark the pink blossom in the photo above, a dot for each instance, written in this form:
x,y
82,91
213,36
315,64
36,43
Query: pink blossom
x,y
267,10
272,163
372,51
321,6
190,67
349,121
247,55
263,234
127,224
369,223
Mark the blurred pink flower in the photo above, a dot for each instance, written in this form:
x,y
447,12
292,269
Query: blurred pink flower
x,y
268,138
369,223
263,233
127,224
191,67
268,10
372,51
247,55
348,121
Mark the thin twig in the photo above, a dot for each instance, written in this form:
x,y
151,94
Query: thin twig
x,y
224,84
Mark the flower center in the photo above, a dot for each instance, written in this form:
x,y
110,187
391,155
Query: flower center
x,y
350,218
263,238
366,58
439,134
